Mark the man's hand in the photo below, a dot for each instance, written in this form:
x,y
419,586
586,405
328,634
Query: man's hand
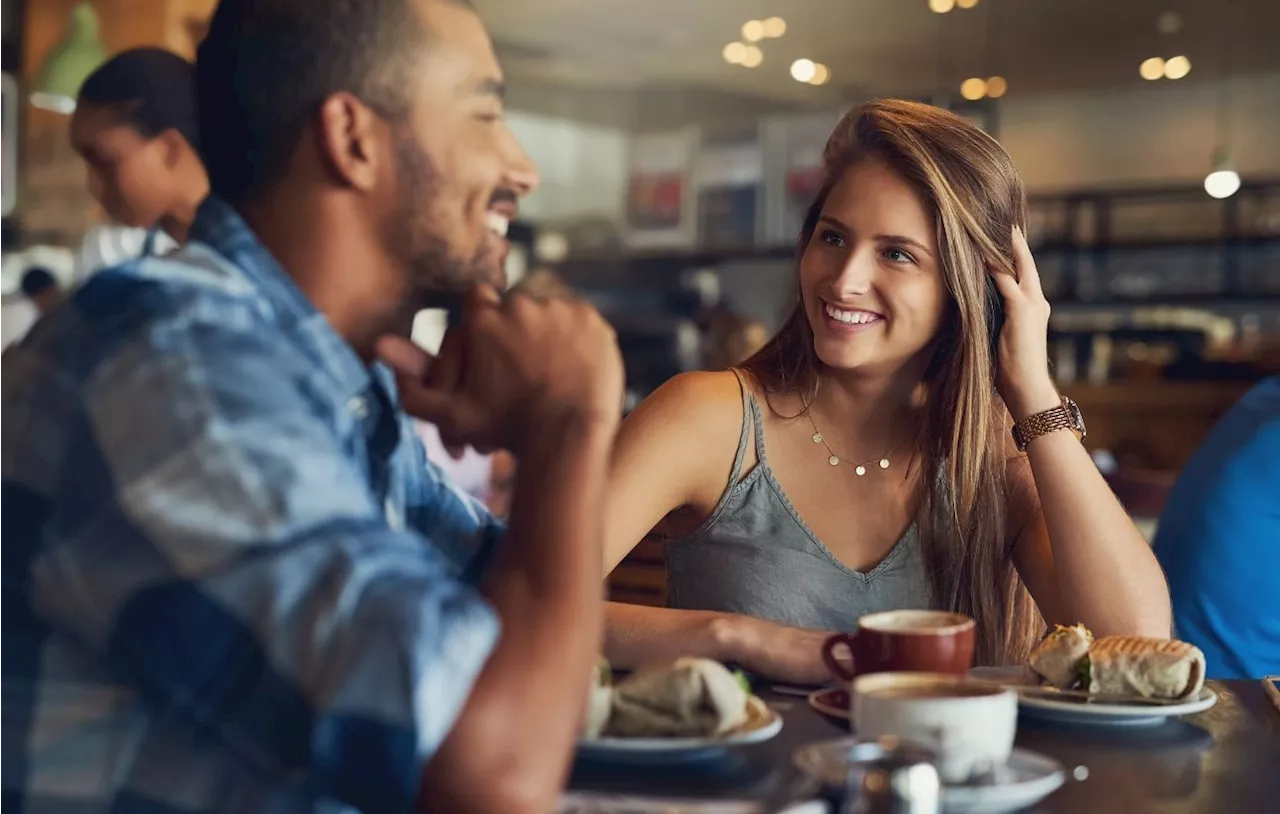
x,y
512,368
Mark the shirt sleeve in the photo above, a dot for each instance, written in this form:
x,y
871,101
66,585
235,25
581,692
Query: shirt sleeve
x,y
463,529
239,573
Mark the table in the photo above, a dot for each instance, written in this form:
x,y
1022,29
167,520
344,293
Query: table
x,y
1223,761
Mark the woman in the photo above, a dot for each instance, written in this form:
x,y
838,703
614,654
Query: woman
x,y
863,459
135,127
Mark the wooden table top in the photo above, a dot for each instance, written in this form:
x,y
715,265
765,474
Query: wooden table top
x,y
1223,761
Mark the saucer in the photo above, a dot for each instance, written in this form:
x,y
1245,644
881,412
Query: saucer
x,y
832,702
1025,780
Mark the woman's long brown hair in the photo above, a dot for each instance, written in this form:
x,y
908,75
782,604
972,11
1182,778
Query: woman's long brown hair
x,y
976,197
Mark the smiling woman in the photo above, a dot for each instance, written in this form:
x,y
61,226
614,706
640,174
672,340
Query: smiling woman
x,y
919,327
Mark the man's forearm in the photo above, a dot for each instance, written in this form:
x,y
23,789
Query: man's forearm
x,y
511,747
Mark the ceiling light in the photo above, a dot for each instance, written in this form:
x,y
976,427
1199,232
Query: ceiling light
x,y
973,88
734,52
821,74
1151,68
1222,183
775,27
966,3
1169,23
803,70
941,6
997,87
1224,180
753,31
753,57
1177,67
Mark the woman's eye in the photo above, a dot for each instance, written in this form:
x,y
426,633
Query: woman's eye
x,y
898,256
831,238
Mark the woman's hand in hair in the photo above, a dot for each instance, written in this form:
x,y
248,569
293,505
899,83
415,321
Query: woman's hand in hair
x,y
1022,371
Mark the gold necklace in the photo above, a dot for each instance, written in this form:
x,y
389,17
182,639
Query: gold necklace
x,y
835,460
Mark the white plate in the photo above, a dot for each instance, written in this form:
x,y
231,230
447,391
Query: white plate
x,y
1080,711
1025,780
654,750
832,702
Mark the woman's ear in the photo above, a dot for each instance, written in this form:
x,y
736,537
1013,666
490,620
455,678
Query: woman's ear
x,y
175,146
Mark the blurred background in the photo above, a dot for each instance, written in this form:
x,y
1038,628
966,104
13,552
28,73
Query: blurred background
x,y
679,144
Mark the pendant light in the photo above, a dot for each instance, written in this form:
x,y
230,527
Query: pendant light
x,y
1223,181
70,62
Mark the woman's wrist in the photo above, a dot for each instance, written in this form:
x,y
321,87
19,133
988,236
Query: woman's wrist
x,y
1036,399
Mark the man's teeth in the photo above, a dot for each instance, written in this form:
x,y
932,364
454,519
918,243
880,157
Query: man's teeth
x,y
497,223
851,317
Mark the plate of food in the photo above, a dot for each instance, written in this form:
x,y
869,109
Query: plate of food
x,y
689,708
1117,680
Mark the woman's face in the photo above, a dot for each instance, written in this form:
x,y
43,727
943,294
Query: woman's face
x,y
129,175
870,277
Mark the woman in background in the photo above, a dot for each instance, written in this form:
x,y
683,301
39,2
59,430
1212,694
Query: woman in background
x,y
135,127
863,460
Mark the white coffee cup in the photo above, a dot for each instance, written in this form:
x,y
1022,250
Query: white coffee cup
x,y
970,726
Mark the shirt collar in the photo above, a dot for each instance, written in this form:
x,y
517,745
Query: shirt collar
x,y
220,226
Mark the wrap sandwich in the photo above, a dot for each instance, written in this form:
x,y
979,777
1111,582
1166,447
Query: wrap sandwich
x,y
688,698
1150,668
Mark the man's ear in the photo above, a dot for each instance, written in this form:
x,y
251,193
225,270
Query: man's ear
x,y
349,137
175,144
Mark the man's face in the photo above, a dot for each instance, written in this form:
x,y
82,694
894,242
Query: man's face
x,y
459,171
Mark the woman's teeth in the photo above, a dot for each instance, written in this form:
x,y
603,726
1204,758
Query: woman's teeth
x,y
498,224
851,317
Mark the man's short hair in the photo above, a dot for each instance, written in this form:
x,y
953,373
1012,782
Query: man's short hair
x,y
37,280
265,66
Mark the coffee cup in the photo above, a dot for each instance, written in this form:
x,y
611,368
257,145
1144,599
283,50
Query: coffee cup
x,y
904,640
968,725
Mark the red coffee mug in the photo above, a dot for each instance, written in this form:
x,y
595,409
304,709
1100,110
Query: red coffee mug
x,y
904,641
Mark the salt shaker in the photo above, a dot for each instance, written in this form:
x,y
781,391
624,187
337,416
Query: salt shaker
x,y
888,778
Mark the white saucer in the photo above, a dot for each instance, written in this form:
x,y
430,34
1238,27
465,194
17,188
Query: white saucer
x,y
1080,711
1025,780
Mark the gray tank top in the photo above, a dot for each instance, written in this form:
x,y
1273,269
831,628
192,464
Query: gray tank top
x,y
754,555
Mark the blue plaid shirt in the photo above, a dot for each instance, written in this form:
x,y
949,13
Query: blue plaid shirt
x,y
232,582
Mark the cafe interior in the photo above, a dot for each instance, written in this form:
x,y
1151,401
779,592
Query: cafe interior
x,y
679,145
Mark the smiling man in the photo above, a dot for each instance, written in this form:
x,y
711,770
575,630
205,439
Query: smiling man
x,y
232,582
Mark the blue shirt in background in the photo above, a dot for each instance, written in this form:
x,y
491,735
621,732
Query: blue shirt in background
x,y
1219,541
232,582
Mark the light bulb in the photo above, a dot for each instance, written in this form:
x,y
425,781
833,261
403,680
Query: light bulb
x,y
997,87
966,3
1151,69
775,27
821,74
973,88
752,57
1177,67
941,6
734,52
803,70
1222,183
753,31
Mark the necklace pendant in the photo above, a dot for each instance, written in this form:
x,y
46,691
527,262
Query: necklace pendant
x,y
817,438
834,460
860,470
884,463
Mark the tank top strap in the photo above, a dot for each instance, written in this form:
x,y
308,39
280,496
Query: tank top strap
x,y
749,419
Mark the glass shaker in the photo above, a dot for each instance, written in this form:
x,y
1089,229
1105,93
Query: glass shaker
x,y
886,777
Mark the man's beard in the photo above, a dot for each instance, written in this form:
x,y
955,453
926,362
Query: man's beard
x,y
436,275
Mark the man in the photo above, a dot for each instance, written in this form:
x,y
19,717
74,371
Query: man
x,y
41,288
1219,541
232,583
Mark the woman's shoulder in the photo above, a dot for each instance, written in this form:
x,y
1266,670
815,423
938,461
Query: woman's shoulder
x,y
696,401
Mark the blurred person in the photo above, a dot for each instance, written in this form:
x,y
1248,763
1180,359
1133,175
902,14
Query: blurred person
x,y
233,583
1219,540
135,126
732,339
881,472
41,289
